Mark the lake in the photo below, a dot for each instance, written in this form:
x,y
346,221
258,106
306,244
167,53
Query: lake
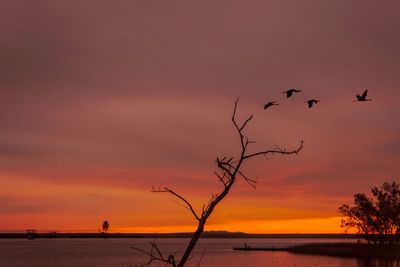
x,y
117,252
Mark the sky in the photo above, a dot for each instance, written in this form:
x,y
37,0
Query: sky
x,y
101,100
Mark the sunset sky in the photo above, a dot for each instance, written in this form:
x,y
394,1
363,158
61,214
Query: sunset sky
x,y
101,100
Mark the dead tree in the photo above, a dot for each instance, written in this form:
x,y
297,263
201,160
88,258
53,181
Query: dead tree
x,y
227,174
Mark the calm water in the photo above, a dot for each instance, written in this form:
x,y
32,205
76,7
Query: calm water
x,y
117,252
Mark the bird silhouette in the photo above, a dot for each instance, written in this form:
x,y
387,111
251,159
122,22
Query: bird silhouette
x,y
270,104
363,97
290,92
311,102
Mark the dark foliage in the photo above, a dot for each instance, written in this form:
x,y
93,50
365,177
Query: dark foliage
x,y
106,226
376,218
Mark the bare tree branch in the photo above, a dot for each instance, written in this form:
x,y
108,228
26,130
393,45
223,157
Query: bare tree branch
x,y
229,169
221,178
188,205
250,181
276,151
240,128
156,255
244,124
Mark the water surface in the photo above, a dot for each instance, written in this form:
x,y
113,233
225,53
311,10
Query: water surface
x,y
117,252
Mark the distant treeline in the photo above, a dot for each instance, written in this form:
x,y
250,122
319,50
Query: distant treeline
x,y
211,234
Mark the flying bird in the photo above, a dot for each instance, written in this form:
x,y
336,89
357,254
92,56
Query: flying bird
x,y
311,102
270,104
290,92
363,97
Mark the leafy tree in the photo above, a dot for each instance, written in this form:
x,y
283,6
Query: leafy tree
x,y
376,218
106,226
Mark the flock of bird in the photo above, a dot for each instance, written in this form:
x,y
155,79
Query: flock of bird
x,y
312,102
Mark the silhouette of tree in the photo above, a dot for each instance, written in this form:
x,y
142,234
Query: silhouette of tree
x,y
376,218
228,171
106,226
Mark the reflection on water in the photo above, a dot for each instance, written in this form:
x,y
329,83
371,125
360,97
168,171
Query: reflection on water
x,y
377,263
117,252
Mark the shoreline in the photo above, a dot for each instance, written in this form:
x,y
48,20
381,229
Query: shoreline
x,y
176,235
